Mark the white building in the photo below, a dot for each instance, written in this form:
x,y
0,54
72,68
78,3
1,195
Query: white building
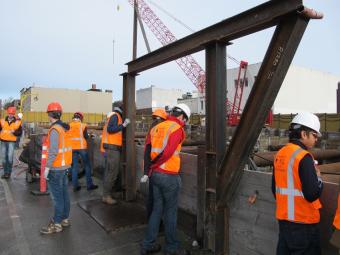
x,y
150,98
303,89
94,100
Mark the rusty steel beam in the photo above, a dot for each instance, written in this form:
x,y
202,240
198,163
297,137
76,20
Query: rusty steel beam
x,y
215,136
333,168
279,55
129,156
253,20
267,158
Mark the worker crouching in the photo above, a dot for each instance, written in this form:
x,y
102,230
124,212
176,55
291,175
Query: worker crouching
x,y
59,160
297,186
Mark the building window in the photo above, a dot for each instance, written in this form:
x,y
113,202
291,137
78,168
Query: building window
x,y
241,80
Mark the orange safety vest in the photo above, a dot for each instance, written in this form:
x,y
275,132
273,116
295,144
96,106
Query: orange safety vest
x,y
114,139
159,135
290,203
64,156
6,133
336,222
76,132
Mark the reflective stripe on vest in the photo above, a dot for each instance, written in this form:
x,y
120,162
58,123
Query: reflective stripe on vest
x,y
64,156
336,222
114,139
77,133
7,130
291,204
159,139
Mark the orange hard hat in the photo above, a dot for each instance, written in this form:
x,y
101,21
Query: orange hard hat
x,y
160,113
54,107
78,115
11,110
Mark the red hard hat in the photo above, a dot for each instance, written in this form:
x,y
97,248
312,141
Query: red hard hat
x,y
81,116
160,113
54,107
11,110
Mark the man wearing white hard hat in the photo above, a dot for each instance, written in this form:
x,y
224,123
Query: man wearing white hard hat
x,y
297,187
164,143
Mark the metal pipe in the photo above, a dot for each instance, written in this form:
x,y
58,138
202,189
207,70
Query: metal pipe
x,y
267,158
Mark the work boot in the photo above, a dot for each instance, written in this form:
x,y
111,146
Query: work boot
x,y
51,228
75,189
92,187
5,176
109,200
65,223
153,249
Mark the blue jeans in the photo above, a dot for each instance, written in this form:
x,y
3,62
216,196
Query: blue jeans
x,y
57,184
165,199
86,161
298,239
7,151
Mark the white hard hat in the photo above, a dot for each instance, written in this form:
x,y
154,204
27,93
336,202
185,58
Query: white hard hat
x,y
309,120
118,109
184,109
20,115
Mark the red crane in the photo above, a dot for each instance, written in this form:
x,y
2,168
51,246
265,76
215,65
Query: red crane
x,y
188,64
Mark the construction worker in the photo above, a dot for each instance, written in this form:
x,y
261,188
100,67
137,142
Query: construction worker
x,y
164,143
336,235
78,134
297,186
111,144
19,118
10,129
159,115
58,162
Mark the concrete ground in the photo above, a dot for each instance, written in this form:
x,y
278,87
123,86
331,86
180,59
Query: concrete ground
x,y
23,214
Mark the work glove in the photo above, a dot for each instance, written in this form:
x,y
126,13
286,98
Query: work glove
x,y
144,179
46,172
126,122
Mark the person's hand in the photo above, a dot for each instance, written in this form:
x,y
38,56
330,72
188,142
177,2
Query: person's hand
x,y
144,179
46,172
317,169
126,122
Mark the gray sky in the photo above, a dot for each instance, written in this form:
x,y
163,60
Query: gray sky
x,y
69,44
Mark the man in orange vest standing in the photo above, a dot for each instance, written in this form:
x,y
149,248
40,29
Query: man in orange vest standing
x,y
336,235
164,144
78,134
297,187
159,115
111,145
10,129
59,160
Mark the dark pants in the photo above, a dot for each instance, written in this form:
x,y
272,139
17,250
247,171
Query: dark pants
x,y
298,239
165,201
112,165
87,165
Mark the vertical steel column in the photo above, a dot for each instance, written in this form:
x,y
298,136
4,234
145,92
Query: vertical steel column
x,y
134,39
280,53
215,142
129,108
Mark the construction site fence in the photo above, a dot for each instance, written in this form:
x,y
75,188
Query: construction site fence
x,y
329,122
41,117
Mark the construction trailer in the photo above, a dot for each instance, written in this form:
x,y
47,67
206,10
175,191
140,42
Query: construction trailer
x,y
225,222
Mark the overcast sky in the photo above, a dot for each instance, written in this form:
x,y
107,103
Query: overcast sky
x,y
69,43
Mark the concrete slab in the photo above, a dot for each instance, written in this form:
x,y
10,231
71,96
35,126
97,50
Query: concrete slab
x,y
115,217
